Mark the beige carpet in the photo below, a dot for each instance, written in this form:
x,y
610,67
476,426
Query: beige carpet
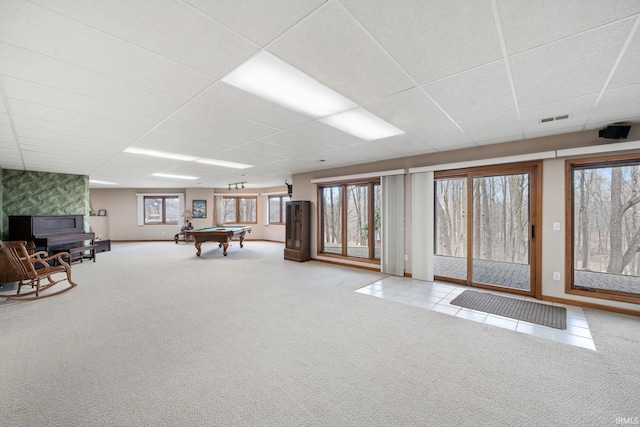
x,y
154,336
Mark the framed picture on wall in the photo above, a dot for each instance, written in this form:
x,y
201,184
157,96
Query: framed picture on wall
x,y
102,212
199,209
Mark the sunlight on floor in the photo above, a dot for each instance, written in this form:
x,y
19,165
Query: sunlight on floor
x,y
437,296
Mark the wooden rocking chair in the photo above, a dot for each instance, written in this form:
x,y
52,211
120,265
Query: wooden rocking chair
x,y
25,266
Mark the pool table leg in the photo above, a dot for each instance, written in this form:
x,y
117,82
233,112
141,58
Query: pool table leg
x,y
225,245
198,244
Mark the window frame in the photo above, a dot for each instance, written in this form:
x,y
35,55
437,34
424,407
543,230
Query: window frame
x,y
571,165
282,204
237,208
370,183
163,211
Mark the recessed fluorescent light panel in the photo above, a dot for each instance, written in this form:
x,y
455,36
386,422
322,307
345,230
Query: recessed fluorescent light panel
x,y
269,77
166,175
363,124
95,181
224,163
163,154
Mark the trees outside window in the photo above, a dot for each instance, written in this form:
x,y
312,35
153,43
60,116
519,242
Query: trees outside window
x,y
277,209
239,210
350,219
604,234
161,210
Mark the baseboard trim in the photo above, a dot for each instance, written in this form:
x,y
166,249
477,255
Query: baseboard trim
x,y
602,307
344,264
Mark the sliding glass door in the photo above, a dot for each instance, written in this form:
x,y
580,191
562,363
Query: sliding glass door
x,y
485,227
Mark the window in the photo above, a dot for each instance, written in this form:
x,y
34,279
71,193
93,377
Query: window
x,y
351,220
161,210
604,230
276,209
239,210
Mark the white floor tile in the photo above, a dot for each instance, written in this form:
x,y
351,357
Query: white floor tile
x,y
436,296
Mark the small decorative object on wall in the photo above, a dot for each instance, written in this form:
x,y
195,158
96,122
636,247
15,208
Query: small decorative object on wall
x,y
199,209
102,212
289,188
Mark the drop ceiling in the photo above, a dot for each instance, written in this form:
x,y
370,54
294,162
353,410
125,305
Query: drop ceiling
x,y
83,80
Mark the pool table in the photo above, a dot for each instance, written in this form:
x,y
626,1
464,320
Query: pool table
x,y
222,235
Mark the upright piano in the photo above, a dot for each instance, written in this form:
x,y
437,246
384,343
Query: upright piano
x,y
49,232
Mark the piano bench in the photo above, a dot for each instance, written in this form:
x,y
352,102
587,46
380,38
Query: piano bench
x,y
79,252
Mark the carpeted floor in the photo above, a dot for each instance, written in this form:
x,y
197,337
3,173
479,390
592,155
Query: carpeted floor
x,y
154,336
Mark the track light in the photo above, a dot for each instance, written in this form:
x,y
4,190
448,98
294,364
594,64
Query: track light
x,y
236,185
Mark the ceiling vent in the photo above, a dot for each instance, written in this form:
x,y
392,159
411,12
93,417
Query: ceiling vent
x,y
556,118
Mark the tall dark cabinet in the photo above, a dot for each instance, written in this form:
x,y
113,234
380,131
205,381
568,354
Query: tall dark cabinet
x,y
298,235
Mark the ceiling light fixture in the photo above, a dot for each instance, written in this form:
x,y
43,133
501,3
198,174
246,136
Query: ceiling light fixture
x,y
95,181
163,154
270,77
363,124
236,185
166,175
223,163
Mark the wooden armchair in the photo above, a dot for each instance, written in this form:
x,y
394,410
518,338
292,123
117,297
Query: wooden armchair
x,y
25,266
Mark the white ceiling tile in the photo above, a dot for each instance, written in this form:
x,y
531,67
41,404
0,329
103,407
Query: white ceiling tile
x,y
618,105
246,156
296,143
66,140
335,51
527,24
27,123
82,80
332,158
432,39
187,37
409,110
270,146
569,68
627,73
325,134
4,119
184,130
6,129
25,66
34,28
21,92
543,133
258,21
57,115
243,104
504,126
218,120
181,143
373,150
405,145
483,91
578,110
442,138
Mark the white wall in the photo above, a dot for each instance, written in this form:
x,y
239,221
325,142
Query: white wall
x,y
553,201
120,224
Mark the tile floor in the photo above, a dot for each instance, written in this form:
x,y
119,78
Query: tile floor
x,y
437,296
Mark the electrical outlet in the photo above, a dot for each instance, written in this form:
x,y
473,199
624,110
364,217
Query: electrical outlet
x,y
406,257
556,275
556,226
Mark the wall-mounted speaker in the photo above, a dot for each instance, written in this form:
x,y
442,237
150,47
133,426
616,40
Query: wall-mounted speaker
x,y
614,132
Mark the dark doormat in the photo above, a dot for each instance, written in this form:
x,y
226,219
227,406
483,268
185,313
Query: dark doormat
x,y
533,312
